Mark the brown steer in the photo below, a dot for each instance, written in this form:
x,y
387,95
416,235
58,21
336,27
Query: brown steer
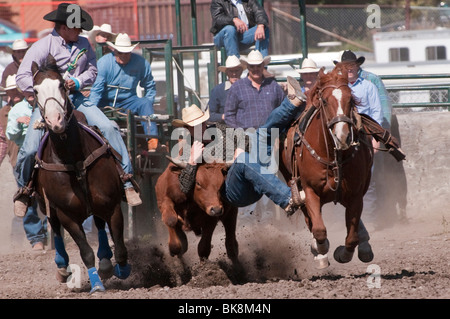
x,y
199,210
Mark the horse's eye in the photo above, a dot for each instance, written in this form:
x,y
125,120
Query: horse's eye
x,y
35,91
197,184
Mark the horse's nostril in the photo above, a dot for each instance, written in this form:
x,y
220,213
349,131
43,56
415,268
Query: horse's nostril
x,y
216,211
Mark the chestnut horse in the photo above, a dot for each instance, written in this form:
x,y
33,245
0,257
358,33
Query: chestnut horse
x,y
331,161
77,177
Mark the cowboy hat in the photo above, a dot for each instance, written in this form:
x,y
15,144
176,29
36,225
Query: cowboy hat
x,y
349,56
231,62
10,82
308,66
104,28
17,45
122,44
191,116
255,58
63,13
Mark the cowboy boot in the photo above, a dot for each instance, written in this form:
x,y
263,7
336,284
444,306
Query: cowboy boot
x,y
21,202
133,197
295,94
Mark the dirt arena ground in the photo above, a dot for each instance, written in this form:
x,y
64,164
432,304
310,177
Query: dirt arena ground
x,y
411,247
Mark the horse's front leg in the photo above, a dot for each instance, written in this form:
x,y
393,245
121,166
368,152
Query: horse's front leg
x,y
122,268
61,256
344,254
76,231
104,252
313,216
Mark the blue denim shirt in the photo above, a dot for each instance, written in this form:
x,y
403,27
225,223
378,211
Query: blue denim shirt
x,y
367,99
112,73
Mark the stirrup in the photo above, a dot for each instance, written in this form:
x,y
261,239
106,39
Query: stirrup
x,y
298,197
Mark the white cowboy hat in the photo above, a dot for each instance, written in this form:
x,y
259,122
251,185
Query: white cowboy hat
x,y
104,28
17,45
191,116
122,44
231,62
10,82
308,66
255,58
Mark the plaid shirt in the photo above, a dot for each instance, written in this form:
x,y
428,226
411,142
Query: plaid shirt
x,y
248,107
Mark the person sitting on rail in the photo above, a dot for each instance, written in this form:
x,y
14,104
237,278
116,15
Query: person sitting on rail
x,y
237,25
119,74
67,47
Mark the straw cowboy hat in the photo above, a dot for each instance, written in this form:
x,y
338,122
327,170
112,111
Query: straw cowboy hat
x,y
231,62
10,82
191,116
255,58
122,44
17,45
104,28
62,15
308,66
349,56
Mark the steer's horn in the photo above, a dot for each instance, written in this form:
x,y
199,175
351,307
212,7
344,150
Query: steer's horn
x,y
177,162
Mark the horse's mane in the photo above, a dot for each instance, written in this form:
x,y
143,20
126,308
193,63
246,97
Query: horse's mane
x,y
49,65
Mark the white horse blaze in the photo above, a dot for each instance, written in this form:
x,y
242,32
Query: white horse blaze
x,y
54,112
339,129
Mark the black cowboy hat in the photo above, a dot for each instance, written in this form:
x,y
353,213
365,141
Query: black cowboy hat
x,y
62,14
349,56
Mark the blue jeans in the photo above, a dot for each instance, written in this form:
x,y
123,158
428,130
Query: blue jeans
x,y
250,176
25,159
35,228
233,41
140,106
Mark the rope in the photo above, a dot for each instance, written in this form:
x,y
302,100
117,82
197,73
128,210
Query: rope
x,y
195,93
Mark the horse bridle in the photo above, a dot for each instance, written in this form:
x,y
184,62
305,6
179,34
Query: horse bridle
x,y
338,161
64,106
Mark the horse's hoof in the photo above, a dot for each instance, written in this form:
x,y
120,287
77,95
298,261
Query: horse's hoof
x,y
319,249
342,255
365,253
97,288
321,261
105,269
122,272
62,275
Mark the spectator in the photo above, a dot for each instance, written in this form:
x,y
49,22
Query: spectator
x,y
251,99
308,73
102,34
118,76
239,24
18,121
233,69
19,48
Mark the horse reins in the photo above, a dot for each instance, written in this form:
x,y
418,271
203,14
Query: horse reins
x,y
336,164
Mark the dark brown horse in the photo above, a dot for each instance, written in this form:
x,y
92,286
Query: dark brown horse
x,y
77,177
331,161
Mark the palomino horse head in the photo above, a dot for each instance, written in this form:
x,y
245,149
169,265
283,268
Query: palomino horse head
x,y
51,95
332,96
